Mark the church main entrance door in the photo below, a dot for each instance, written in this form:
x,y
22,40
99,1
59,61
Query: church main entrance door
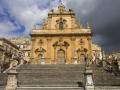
x,y
60,56
82,59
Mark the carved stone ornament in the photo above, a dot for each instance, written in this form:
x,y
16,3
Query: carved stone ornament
x,y
40,50
61,43
41,42
61,23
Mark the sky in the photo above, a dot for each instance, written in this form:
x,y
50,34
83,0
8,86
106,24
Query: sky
x,y
17,18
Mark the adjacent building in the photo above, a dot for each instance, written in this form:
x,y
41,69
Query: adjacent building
x,y
8,53
24,45
97,54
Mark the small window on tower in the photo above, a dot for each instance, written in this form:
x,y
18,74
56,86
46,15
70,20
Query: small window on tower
x,y
61,25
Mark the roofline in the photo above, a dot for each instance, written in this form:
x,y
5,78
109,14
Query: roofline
x,y
72,34
6,40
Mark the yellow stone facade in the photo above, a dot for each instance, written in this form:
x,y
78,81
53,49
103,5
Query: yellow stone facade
x,y
61,40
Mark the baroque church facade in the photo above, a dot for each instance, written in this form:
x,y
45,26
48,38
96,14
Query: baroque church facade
x,y
61,40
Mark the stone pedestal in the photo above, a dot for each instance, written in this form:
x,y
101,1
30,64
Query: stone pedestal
x,y
89,88
12,79
89,85
119,65
0,69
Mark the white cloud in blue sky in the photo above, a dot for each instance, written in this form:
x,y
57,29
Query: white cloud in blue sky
x,y
17,17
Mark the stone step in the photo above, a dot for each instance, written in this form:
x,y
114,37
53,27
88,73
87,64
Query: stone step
x,y
2,88
3,79
28,66
51,75
51,71
103,77
27,77
50,80
51,84
50,88
68,69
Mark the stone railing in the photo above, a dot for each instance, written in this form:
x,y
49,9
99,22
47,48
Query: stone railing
x,y
12,79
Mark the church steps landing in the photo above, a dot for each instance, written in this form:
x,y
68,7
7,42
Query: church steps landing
x,y
50,88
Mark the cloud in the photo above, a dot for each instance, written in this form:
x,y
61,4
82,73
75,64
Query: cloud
x,y
104,18
23,14
106,24
29,12
6,26
83,7
8,23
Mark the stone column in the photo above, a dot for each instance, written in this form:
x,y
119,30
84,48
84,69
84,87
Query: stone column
x,y
49,50
55,58
66,56
12,79
90,49
89,85
32,61
73,49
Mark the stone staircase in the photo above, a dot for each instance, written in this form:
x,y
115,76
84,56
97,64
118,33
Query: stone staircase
x,y
51,77
51,88
3,80
102,77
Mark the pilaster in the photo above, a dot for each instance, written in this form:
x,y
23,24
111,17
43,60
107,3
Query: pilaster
x,y
33,61
89,46
49,50
73,49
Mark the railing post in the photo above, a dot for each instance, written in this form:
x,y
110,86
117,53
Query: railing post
x,y
89,85
12,79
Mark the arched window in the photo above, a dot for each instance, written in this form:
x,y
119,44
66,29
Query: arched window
x,y
61,25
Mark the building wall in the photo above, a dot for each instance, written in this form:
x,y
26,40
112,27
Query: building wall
x,y
7,51
72,39
24,44
97,54
51,53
